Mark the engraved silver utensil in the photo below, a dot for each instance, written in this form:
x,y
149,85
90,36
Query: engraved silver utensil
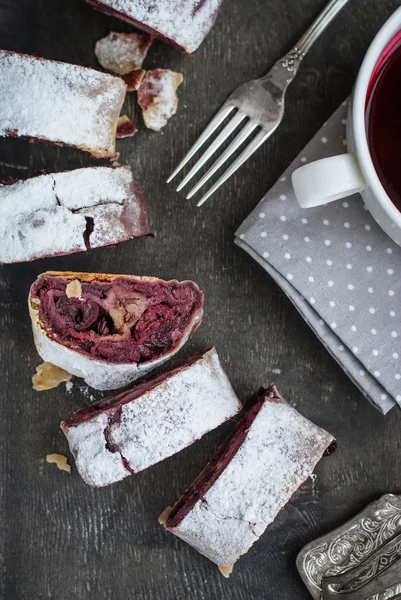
x,y
345,549
257,107
378,577
386,586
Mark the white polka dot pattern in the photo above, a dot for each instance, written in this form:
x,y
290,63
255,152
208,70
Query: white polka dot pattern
x,y
340,270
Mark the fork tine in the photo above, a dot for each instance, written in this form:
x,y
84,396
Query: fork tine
x,y
233,147
210,129
249,150
221,138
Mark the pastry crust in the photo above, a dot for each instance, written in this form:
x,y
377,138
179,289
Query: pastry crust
x,y
148,423
58,102
99,374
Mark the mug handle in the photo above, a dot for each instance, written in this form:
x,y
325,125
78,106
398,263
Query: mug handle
x,y
328,179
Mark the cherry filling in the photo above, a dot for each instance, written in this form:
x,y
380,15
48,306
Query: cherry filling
x,y
121,320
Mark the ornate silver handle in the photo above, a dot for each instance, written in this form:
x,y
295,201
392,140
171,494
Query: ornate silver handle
x,y
286,68
317,28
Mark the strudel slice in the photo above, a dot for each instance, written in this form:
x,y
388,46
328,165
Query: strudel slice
x,y
60,103
182,23
270,453
61,213
139,427
111,329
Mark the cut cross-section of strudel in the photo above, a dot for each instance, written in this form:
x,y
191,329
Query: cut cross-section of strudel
x,y
111,329
270,453
142,426
61,213
60,103
182,23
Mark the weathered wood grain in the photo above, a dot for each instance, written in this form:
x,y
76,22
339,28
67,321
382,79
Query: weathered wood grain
x,y
60,539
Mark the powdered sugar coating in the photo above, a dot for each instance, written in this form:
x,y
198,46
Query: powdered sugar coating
x,y
46,215
280,451
184,23
157,97
98,374
159,423
59,102
122,53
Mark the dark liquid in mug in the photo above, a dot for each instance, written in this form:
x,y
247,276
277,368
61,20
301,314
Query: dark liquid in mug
x,y
384,125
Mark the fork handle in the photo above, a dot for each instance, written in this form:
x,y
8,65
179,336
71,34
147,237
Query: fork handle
x,y
317,28
286,68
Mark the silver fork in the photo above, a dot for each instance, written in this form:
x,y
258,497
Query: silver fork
x,y
259,105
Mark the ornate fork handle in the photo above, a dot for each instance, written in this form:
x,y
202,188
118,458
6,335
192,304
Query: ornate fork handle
x,y
286,68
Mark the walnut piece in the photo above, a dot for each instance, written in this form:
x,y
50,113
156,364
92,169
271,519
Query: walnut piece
x,y
60,461
73,289
117,314
49,376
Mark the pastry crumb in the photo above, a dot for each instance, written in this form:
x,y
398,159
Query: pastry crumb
x,y
164,516
226,571
74,289
122,53
157,97
133,79
48,376
114,158
68,386
125,127
60,460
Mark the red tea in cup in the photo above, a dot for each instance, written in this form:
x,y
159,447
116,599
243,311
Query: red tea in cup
x,y
383,119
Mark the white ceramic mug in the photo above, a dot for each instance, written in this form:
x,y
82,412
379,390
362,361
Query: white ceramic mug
x,y
340,176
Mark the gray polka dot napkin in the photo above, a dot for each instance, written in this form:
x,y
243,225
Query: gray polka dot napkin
x,y
341,271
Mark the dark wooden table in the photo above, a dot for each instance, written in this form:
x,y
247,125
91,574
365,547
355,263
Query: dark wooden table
x,y
59,539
